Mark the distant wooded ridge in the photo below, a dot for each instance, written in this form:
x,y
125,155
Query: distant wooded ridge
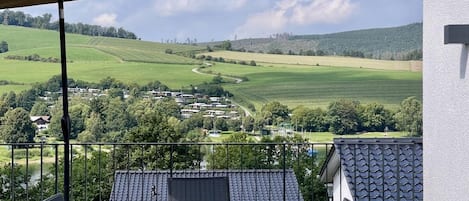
x,y
395,43
18,18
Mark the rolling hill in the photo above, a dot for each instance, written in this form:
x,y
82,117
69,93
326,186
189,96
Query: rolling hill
x,y
93,58
292,80
379,43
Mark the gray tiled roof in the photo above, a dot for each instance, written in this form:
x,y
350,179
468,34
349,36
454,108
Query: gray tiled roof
x,y
246,185
382,169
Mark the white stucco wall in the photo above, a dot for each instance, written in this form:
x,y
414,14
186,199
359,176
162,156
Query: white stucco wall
x,y
341,188
445,104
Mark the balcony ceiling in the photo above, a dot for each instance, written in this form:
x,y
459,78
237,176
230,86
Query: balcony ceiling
x,y
22,3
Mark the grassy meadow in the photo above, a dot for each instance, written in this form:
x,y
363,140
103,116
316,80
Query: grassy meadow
x,y
317,86
94,58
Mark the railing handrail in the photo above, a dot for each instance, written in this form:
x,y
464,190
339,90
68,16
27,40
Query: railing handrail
x,y
169,143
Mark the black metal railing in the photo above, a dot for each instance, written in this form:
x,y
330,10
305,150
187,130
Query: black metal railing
x,y
123,171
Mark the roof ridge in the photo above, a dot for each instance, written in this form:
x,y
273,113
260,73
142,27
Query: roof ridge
x,y
407,140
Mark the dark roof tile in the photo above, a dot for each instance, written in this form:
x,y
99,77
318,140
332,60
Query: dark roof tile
x,y
243,184
384,169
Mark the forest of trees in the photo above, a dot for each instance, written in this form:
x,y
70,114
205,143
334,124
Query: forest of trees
x,y
18,18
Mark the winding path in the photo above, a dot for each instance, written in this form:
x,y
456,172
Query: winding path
x,y
237,80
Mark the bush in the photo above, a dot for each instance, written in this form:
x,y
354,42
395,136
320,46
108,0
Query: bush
x,y
252,63
168,51
3,47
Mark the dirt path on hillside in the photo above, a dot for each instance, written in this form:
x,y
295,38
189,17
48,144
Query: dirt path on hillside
x,y
237,80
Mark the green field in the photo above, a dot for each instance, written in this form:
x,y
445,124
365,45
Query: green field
x,y
269,59
317,86
94,58
292,80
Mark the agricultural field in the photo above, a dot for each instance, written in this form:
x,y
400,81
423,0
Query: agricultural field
x,y
317,86
269,59
94,58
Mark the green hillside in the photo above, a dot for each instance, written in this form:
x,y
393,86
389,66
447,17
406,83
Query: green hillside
x,y
381,43
93,58
317,86
293,80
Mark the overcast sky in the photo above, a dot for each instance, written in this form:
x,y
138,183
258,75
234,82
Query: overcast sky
x,y
209,20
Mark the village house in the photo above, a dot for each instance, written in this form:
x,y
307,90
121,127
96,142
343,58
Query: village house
x,y
41,122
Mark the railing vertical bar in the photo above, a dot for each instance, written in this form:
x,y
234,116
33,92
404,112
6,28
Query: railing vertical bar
x,y
413,170
42,170
355,196
56,169
284,152
86,172
200,157
256,160
327,154
382,169
26,181
369,173
71,170
340,182
242,170
128,172
227,157
143,169
114,171
171,160
12,176
312,172
99,171
298,166
398,171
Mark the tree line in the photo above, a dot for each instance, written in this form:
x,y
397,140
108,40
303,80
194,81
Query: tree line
x,y
342,117
18,18
33,57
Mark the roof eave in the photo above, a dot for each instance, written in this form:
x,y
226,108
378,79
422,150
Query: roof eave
x,y
330,166
4,4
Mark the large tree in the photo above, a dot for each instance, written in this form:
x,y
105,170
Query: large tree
x,y
40,109
154,126
376,118
17,127
409,116
275,112
344,117
306,119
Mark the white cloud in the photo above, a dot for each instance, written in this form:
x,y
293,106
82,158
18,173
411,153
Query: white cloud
x,y
174,7
322,11
295,13
262,24
105,19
